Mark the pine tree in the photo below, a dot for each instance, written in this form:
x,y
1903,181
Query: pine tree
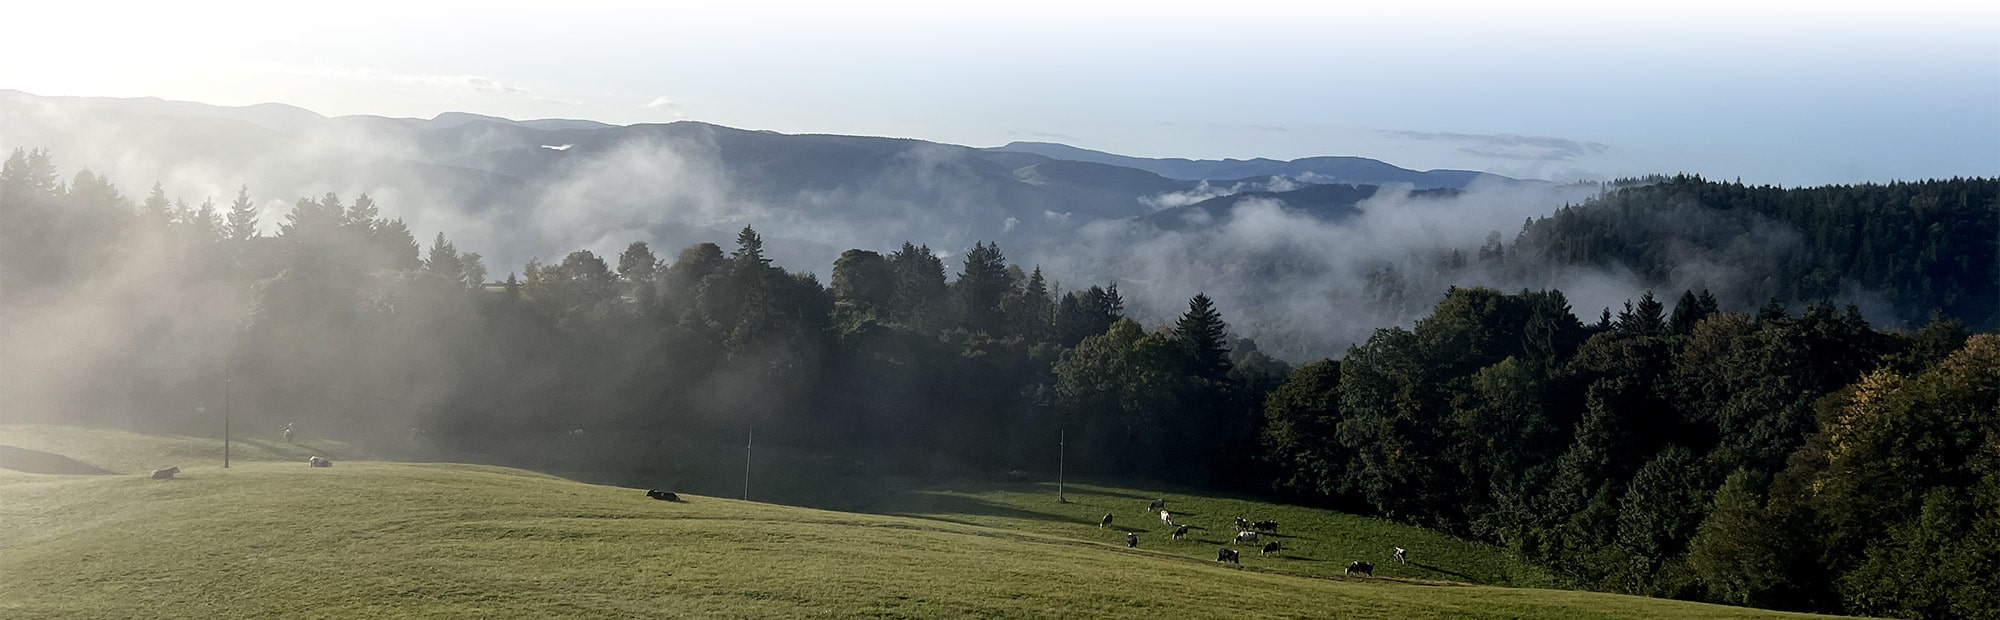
x,y
241,224
1202,331
444,262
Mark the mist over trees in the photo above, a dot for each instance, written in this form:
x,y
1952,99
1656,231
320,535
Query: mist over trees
x,y
1697,445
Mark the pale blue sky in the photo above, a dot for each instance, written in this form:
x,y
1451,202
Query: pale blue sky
x,y
1780,92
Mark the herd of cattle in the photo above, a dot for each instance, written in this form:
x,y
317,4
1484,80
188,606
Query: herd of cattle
x,y
1247,532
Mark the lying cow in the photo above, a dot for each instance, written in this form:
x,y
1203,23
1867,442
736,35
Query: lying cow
x,y
667,496
1158,504
1246,537
1265,526
166,474
1180,532
319,462
1364,568
1105,522
1270,547
1228,555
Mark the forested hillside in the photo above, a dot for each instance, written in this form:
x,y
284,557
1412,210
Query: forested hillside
x,y
1902,251
1792,458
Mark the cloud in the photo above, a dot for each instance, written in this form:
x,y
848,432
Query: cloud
x,y
558,147
667,103
1509,146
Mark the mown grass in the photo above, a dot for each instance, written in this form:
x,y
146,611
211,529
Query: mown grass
x,y
396,540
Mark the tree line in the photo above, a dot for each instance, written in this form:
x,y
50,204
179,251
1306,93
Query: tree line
x,y
1787,457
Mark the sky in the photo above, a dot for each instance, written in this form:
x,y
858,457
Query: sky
x,y
1770,92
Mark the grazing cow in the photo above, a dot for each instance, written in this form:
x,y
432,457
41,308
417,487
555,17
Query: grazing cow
x,y
1180,532
166,474
1158,504
1246,537
1242,523
1361,567
319,462
1271,547
1105,522
288,433
1265,526
1166,518
1132,539
666,496
1227,555
1402,557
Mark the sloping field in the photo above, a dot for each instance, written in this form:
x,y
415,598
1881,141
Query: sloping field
x,y
392,540
1312,542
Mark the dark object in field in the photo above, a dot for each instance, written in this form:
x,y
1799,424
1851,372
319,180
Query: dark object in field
x,y
1271,547
1157,504
320,461
1227,555
1246,537
1265,526
1180,531
1105,522
166,474
1364,568
667,496
1131,539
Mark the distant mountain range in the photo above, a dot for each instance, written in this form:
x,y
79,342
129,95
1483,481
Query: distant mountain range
x,y
539,188
1349,170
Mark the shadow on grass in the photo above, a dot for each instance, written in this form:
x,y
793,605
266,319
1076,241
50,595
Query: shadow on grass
x,y
939,506
38,462
1434,569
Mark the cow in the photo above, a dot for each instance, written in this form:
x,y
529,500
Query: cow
x,y
1166,518
1132,539
1180,532
1402,557
1105,522
1242,523
1364,568
665,496
1246,537
1158,504
319,462
288,433
166,474
1271,547
1227,555
1265,526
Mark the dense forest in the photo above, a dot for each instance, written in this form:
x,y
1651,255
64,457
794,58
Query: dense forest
x,y
1789,455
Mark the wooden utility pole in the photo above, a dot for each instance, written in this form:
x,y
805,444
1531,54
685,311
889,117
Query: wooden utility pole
x,y
225,417
1062,455
747,447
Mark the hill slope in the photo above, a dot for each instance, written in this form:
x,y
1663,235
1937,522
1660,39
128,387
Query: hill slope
x,y
370,539
1355,170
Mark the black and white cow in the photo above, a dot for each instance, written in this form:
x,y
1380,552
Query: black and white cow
x,y
166,474
1158,504
1364,568
1246,537
1228,555
1180,532
1271,547
1106,521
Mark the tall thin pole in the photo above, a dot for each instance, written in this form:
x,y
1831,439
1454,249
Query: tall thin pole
x,y
1062,456
747,446
225,416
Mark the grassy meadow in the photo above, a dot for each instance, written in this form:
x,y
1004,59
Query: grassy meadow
x,y
272,537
